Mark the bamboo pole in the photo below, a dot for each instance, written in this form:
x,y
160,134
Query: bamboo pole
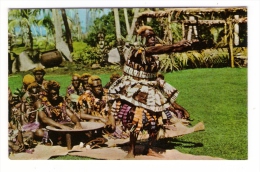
x,y
210,22
231,54
183,30
169,29
191,18
136,12
236,30
126,21
117,24
195,32
225,32
189,33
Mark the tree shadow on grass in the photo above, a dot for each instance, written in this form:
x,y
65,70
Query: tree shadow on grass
x,y
172,143
161,145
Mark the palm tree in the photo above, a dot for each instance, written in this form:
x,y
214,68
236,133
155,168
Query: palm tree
x,y
48,25
77,23
117,23
60,44
67,29
21,18
126,21
136,12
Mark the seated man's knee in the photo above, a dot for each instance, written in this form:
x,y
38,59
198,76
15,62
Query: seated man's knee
x,y
39,133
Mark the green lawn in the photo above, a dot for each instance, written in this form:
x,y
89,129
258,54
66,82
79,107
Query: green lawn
x,y
218,97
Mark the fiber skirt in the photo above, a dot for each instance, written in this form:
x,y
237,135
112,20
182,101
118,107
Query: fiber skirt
x,y
140,93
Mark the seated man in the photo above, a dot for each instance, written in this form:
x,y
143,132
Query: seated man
x,y
29,119
92,101
15,139
175,109
27,80
88,110
113,78
73,91
19,139
100,99
74,87
84,81
17,98
39,76
96,88
52,110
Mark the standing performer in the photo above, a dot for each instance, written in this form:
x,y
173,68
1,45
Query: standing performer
x,y
138,97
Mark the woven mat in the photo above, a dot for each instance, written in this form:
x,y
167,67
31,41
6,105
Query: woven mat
x,y
115,149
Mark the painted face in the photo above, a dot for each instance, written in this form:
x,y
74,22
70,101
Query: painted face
x,y
32,116
75,81
114,79
89,98
34,93
85,84
97,88
150,37
53,95
38,77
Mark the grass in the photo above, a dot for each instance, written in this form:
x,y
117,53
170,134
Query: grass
x,y
70,157
218,97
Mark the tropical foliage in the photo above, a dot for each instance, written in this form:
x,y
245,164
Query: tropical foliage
x,y
34,29
207,58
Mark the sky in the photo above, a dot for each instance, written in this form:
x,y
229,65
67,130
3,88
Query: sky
x,y
82,12
82,16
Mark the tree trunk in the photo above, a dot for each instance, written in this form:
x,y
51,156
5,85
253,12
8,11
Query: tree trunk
x,y
118,31
136,12
67,29
60,44
77,22
57,26
30,37
126,21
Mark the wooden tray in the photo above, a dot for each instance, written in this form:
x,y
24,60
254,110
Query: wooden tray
x,y
87,126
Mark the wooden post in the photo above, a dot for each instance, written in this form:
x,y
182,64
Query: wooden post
x,y
195,32
183,30
169,29
236,30
231,54
225,32
189,33
191,18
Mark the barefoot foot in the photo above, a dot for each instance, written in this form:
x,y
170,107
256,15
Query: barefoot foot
x,y
129,156
153,153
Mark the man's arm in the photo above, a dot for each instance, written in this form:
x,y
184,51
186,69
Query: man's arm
x,y
83,115
177,47
45,119
74,119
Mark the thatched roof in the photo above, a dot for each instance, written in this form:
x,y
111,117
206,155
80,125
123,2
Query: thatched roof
x,y
209,22
168,11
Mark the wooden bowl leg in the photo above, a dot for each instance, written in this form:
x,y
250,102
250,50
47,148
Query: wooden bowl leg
x,y
68,141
